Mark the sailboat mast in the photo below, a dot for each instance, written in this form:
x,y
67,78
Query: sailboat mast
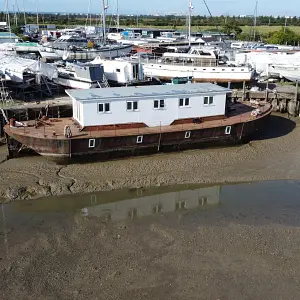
x,y
24,14
8,17
189,21
255,21
15,16
37,14
104,7
118,16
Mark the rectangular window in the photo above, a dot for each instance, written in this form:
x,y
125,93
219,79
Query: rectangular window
x,y
132,105
100,107
180,205
92,143
208,100
184,102
158,104
139,139
202,201
103,107
118,70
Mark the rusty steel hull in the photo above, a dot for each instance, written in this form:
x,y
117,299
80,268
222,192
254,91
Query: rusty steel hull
x,y
111,147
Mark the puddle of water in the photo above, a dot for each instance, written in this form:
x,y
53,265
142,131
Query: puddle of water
x,y
259,202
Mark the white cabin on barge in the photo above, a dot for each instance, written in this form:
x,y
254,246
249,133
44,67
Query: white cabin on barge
x,y
152,105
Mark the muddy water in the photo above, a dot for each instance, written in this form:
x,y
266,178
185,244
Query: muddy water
x,y
187,242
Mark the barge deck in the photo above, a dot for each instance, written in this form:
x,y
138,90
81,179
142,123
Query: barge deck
x,y
48,137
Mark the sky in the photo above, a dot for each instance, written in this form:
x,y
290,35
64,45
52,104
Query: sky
x,y
217,7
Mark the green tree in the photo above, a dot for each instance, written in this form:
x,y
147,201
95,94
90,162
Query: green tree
x,y
16,30
232,27
284,36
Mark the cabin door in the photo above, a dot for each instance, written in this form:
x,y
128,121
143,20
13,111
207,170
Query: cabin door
x,y
135,71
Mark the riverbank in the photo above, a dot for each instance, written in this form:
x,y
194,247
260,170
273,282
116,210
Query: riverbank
x,y
274,154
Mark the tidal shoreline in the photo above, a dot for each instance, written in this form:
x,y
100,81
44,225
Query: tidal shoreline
x,y
273,154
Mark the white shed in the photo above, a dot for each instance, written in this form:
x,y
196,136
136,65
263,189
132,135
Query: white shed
x,y
152,105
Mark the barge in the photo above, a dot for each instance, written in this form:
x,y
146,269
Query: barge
x,y
126,121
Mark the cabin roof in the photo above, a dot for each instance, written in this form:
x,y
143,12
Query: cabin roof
x,y
146,91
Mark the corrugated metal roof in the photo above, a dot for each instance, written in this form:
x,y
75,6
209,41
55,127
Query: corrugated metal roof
x,y
146,91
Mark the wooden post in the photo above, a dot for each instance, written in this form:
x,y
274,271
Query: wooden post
x,y
159,139
267,90
296,91
244,91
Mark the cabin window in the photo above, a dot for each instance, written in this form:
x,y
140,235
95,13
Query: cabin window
x,y
139,139
187,135
227,129
118,70
184,102
157,208
103,107
158,104
180,205
208,100
92,143
202,201
132,105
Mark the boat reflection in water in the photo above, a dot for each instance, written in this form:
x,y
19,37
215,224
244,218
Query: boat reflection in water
x,y
154,204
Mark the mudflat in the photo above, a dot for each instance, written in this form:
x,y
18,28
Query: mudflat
x,y
245,248
274,154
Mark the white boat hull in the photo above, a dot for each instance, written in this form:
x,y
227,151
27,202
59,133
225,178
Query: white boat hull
x,y
26,49
290,75
199,74
75,84
48,53
92,54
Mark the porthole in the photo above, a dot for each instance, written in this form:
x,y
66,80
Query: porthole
x,y
227,129
187,135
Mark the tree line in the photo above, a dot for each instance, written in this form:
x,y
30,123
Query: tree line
x,y
232,25
148,20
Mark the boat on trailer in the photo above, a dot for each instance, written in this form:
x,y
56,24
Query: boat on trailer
x,y
125,121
